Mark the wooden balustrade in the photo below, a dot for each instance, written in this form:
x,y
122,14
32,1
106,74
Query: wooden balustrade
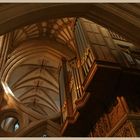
x,y
87,60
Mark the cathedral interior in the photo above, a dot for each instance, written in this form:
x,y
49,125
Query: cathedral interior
x,y
69,70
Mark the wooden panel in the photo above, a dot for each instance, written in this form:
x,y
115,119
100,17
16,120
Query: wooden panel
x,y
87,26
94,27
126,130
117,113
109,120
107,54
136,123
118,57
99,40
102,127
98,53
104,31
92,38
109,43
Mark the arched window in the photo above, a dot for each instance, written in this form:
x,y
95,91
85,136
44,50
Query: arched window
x,y
10,124
16,126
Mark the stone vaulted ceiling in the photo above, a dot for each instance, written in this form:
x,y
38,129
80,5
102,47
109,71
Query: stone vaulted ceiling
x,y
33,70
57,29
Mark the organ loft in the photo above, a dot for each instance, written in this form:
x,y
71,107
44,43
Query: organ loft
x,y
69,70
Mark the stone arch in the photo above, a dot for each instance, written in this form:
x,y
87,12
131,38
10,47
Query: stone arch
x,y
15,113
122,18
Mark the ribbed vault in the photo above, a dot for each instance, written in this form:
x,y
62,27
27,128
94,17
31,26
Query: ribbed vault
x,y
59,30
34,81
34,60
